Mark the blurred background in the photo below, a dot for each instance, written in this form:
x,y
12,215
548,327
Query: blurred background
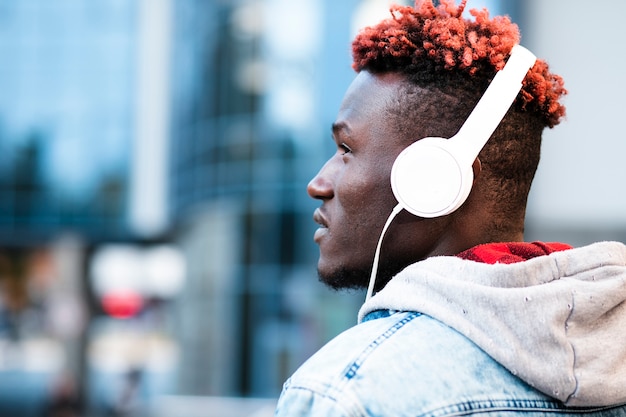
x,y
156,253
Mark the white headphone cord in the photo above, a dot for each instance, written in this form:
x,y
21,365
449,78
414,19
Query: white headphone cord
x,y
370,288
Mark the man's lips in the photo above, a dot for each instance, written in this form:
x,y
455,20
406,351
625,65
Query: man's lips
x,y
319,218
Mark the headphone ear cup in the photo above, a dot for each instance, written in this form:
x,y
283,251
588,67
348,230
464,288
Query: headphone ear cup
x,y
428,180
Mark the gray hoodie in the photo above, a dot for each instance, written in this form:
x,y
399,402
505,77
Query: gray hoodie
x,y
558,321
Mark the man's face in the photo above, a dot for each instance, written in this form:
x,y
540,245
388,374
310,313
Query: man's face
x,y
356,194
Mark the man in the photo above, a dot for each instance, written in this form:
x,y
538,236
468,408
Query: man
x,y
467,318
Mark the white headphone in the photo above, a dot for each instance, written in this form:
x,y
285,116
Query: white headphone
x,y
433,176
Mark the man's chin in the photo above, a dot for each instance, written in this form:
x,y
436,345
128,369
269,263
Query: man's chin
x,y
357,279
344,279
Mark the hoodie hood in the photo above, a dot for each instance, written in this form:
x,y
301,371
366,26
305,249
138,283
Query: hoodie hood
x,y
557,321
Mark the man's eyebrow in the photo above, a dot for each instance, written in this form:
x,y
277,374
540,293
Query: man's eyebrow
x,y
340,127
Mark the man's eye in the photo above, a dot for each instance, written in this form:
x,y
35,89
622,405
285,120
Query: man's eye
x,y
345,148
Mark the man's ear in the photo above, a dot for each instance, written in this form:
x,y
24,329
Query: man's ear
x,y
477,168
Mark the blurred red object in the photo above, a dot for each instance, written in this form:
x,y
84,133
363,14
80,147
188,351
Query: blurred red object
x,y
122,304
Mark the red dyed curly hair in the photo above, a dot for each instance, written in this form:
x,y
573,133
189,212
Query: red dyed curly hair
x,y
432,45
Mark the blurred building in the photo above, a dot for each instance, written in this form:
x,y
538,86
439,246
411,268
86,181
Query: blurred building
x,y
66,118
256,87
66,121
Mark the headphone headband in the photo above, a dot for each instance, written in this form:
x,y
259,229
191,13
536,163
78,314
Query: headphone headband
x,y
494,103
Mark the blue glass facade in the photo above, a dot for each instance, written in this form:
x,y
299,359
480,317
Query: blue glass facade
x,y
66,117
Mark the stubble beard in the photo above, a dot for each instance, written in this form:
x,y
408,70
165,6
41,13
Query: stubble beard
x,y
358,278
345,279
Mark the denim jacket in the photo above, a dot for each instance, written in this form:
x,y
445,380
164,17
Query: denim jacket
x,y
450,337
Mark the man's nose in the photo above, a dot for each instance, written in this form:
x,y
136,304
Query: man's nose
x,y
321,186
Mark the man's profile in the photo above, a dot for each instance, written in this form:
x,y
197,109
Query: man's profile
x,y
467,318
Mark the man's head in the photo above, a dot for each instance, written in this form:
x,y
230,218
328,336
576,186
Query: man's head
x,y
421,73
